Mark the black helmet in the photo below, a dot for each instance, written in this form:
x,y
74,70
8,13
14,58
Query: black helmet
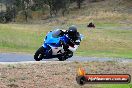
x,y
72,32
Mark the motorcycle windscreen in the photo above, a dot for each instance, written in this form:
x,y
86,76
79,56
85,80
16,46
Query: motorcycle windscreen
x,y
51,39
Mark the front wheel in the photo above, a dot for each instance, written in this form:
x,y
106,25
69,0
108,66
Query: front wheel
x,y
39,54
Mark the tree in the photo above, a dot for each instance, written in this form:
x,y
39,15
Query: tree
x,y
23,6
26,9
38,4
58,5
50,3
79,2
9,13
65,6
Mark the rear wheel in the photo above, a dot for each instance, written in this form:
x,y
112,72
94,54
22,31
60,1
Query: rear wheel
x,y
70,54
62,58
66,55
39,54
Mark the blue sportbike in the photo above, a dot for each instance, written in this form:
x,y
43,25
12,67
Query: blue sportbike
x,y
53,47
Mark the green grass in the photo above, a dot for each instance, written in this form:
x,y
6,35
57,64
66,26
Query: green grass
x,y
20,38
97,42
115,86
107,43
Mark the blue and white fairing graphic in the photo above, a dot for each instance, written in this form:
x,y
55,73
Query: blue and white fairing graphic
x,y
52,43
53,38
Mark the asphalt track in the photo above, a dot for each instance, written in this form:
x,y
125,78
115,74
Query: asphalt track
x,y
17,57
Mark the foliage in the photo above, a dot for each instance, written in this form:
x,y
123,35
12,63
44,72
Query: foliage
x,y
27,6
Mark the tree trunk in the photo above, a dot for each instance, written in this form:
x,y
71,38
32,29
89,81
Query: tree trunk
x,y
79,3
26,16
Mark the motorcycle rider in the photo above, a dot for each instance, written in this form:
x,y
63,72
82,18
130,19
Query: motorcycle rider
x,y
68,39
74,39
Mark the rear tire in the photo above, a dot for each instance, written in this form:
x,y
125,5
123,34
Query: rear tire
x,y
62,58
66,55
39,54
70,54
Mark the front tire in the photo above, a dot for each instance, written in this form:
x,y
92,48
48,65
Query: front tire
x,y
39,54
